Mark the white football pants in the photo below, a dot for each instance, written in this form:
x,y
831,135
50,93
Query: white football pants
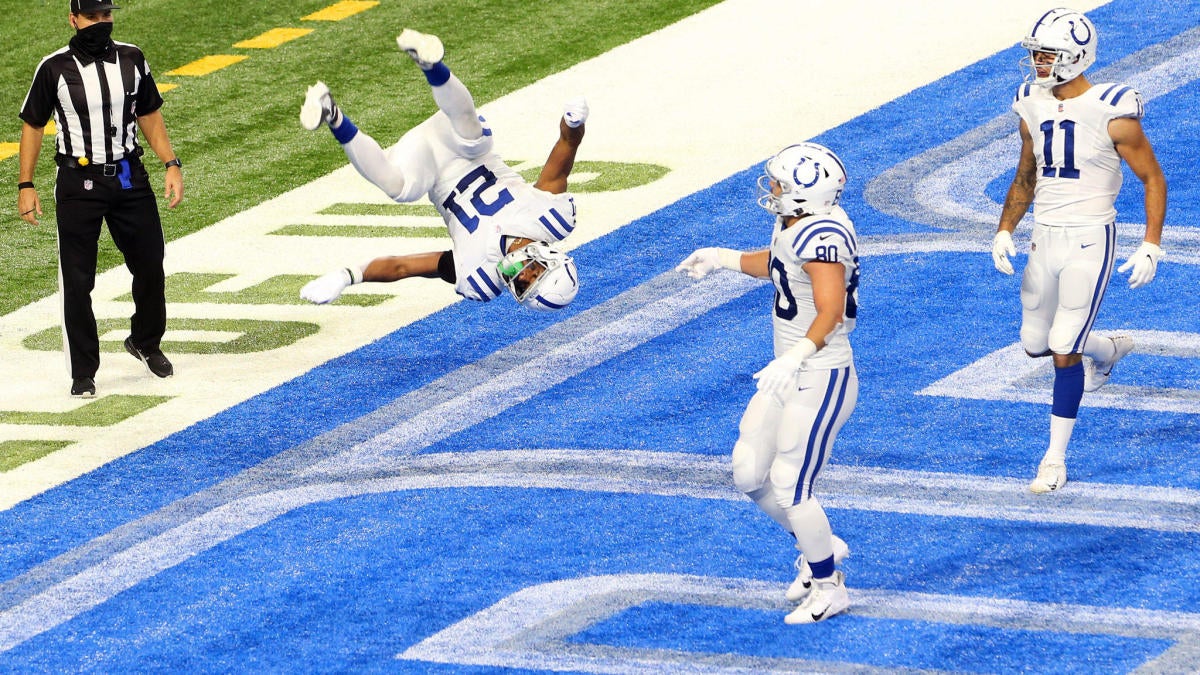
x,y
1063,285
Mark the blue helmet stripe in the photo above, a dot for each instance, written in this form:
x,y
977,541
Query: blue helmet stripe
x,y
1039,22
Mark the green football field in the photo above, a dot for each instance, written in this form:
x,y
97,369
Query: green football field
x,y
236,127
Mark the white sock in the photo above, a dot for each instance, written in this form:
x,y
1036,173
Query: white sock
x,y
1060,436
454,99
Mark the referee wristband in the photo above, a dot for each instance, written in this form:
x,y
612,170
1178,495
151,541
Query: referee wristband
x,y
24,184
174,162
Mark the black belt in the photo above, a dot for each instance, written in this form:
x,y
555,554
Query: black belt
x,y
82,164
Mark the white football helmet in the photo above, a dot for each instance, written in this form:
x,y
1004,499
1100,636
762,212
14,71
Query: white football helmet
x,y
540,277
1067,34
810,179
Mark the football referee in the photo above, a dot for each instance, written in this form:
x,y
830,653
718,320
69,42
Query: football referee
x,y
99,93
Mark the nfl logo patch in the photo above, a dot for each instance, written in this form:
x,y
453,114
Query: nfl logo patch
x,y
87,184
1060,107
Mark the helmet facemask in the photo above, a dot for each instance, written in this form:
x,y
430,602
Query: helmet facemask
x,y
539,277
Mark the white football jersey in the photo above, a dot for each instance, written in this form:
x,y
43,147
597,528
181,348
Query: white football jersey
x,y
484,203
480,198
828,238
1078,168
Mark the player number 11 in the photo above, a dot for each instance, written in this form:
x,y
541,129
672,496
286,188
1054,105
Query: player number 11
x,y
1068,169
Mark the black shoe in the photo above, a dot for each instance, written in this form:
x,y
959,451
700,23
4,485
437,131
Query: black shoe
x,y
156,361
83,387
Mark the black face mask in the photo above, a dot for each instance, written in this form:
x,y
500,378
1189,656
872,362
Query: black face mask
x,y
95,40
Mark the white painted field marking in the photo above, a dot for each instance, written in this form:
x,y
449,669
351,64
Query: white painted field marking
x,y
1009,374
59,590
532,627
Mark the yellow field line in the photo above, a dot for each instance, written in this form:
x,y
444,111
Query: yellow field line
x,y
341,10
273,38
208,64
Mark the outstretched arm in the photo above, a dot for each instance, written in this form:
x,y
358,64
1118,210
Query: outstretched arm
x,y
704,261
327,288
553,178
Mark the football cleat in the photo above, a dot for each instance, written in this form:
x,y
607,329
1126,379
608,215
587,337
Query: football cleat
x,y
828,598
156,362
426,50
1050,477
83,387
803,583
575,112
318,107
1095,374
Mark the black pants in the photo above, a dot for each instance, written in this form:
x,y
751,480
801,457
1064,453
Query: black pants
x,y
84,198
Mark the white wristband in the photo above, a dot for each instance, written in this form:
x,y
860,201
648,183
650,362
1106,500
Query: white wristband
x,y
730,259
803,349
356,274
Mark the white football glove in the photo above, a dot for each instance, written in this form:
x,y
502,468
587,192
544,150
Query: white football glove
x,y
1002,247
1144,263
328,288
575,112
779,376
704,261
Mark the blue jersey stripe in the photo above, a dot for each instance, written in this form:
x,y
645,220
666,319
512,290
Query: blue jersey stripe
x,y
1104,96
562,221
834,227
1117,98
550,228
488,280
478,291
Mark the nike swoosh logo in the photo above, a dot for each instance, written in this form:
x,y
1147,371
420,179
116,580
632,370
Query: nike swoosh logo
x,y
1087,245
817,617
824,237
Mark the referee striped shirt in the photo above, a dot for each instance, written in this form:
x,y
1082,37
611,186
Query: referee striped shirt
x,y
95,102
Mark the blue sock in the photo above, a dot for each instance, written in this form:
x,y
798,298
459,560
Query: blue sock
x,y
822,569
346,131
1068,391
437,75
